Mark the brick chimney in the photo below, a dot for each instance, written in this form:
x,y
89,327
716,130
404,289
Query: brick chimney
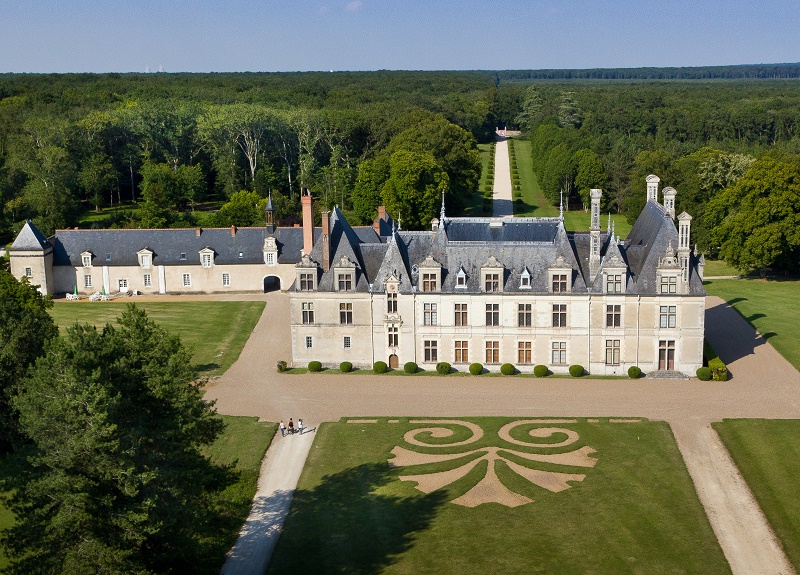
x,y
326,241
376,225
197,231
308,223
233,231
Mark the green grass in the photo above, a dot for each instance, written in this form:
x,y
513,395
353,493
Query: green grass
x,y
719,268
215,331
636,511
767,453
767,305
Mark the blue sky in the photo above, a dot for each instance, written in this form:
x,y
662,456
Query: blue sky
x,y
284,35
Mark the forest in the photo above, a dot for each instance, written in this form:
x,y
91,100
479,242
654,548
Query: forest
x,y
167,150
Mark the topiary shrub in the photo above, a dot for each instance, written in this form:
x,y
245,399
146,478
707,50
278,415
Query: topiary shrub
x,y
380,367
314,366
541,371
282,366
345,367
576,370
410,367
476,368
719,371
508,369
443,368
634,372
704,373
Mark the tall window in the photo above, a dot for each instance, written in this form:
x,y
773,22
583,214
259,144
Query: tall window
x,y
270,258
345,282
428,282
346,313
431,317
669,284
614,283
306,282
462,352
559,352
492,352
206,258
346,342
148,280
461,315
492,314
394,336
145,260
309,342
431,351
87,281
667,316
226,280
492,282
524,354
391,303
87,261
308,312
612,352
187,280
559,283
560,315
613,315
524,315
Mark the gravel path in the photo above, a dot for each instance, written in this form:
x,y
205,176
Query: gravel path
x,y
253,387
502,204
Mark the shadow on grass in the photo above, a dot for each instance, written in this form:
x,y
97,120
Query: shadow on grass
x,y
202,368
343,526
730,334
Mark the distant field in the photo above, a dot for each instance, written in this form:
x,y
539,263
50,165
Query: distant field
x,y
635,511
216,331
767,305
767,453
719,268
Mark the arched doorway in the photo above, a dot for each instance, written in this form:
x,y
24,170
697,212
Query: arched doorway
x,y
272,283
393,361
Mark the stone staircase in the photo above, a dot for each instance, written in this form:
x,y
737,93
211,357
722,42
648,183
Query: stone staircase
x,y
666,375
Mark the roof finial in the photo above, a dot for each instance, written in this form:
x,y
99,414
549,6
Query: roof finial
x,y
561,205
613,230
399,221
441,218
609,222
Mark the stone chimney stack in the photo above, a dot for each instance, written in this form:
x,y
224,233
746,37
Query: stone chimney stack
x,y
326,241
308,222
652,187
376,225
594,232
233,231
435,224
669,201
684,248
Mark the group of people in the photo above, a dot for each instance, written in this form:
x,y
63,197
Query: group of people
x,y
290,428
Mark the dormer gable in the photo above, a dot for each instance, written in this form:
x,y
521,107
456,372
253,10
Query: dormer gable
x,y
668,272
145,257
525,279
344,272
430,275
270,251
492,275
461,278
86,259
560,276
206,257
306,271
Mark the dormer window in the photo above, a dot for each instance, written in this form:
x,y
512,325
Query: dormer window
x,y
183,257
560,274
270,251
108,257
525,279
146,261
345,280
430,272
429,282
306,274
559,283
614,283
669,284
86,259
492,275
207,257
491,282
461,279
145,258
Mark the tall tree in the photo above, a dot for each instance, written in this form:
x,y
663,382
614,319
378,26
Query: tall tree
x,y
414,188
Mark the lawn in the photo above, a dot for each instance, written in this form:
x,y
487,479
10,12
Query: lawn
x,y
635,511
216,331
767,453
767,305
719,268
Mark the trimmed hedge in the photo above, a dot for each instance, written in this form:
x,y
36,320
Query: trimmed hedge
x,y
443,368
345,367
476,368
380,367
719,371
282,366
704,373
541,371
634,372
314,366
508,369
410,367
576,370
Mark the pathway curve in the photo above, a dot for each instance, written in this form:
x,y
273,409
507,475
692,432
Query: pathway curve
x,y
503,201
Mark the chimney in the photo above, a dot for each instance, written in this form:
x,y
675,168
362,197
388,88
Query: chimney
x,y
669,201
197,231
308,223
652,187
376,225
326,244
233,231
435,224
382,213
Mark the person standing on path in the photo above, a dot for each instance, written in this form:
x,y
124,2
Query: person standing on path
x,y
291,426
300,426
283,429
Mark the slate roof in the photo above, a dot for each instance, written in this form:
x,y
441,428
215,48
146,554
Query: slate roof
x,y
29,238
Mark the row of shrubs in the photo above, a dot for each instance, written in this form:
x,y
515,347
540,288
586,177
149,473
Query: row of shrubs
x,y
716,371
444,368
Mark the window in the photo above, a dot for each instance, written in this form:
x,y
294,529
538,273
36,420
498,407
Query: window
x,y
612,352
492,314
108,257
559,283
346,342
461,279
666,355
461,315
309,342
667,316
462,352
87,261
345,282
28,272
391,303
524,315
614,283
145,260
559,353
613,315
308,312
430,315
241,255
429,282
306,282
492,352
346,313
226,280
270,258
560,315
394,336
123,284
187,280
183,256
148,280
431,351
87,281
524,354
525,280
205,259
669,284
492,283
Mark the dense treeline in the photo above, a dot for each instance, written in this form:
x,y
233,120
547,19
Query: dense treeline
x,y
738,72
